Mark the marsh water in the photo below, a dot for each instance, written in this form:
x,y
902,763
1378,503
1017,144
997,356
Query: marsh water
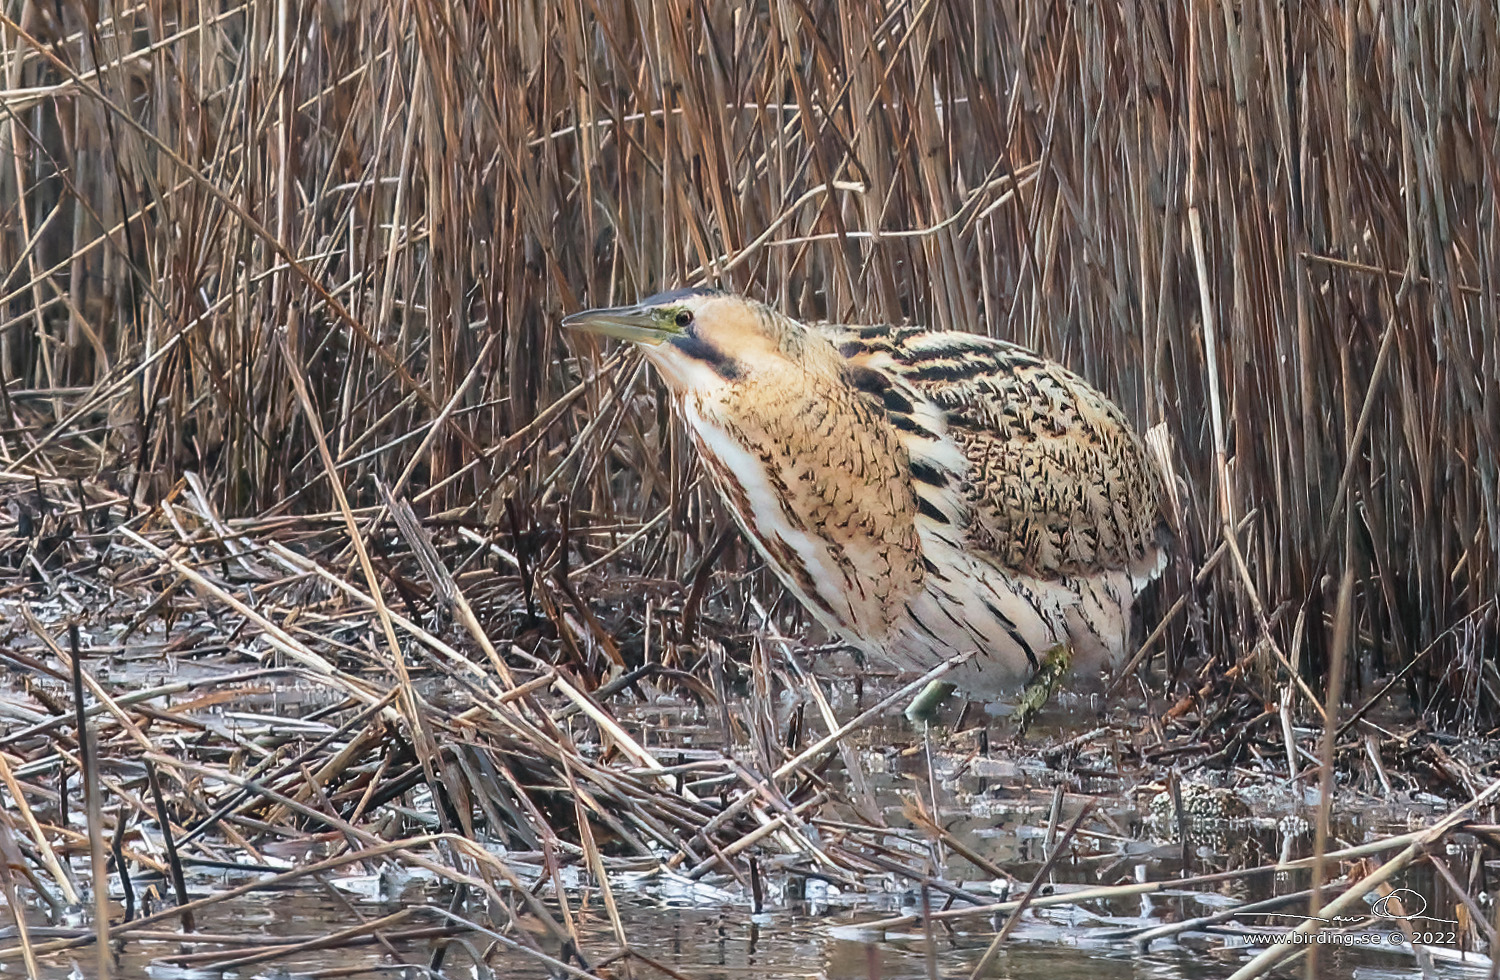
x,y
997,797
711,933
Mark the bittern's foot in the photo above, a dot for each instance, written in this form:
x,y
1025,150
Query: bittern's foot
x,y
1041,687
923,708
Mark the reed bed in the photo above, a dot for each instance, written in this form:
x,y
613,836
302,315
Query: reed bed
x,y
236,698
245,728
286,405
1273,232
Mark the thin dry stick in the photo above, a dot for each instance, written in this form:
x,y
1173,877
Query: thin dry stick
x,y
616,734
596,868
12,862
1341,637
261,942
1397,275
1494,973
1036,882
179,883
1143,937
330,941
864,799
88,772
38,838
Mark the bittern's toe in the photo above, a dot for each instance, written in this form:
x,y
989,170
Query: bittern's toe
x,y
1039,690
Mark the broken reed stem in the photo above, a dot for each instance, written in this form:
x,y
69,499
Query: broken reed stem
x,y
93,788
601,877
1037,880
1341,638
11,864
330,941
258,943
169,843
38,838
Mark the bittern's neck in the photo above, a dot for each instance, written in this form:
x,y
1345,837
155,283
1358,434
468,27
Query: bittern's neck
x,y
819,482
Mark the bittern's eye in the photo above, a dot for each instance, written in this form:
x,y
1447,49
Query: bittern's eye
x,y
683,318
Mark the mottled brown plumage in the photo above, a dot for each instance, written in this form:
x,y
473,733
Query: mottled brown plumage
x,y
921,493
1058,482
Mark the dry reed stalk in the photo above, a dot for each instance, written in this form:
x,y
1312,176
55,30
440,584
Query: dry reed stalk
x,y
264,944
336,939
11,865
1325,761
44,846
93,788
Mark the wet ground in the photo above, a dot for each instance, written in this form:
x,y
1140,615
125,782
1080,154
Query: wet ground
x,y
1005,805
708,933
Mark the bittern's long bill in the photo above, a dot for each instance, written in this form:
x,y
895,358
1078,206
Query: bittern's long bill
x,y
922,493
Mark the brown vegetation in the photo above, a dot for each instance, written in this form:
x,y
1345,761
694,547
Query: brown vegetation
x,y
314,256
1275,232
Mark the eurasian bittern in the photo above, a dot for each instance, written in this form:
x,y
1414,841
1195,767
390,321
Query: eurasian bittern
x,y
923,494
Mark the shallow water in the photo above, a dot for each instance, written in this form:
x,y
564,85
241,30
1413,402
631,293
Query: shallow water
x,y
997,800
808,929
799,939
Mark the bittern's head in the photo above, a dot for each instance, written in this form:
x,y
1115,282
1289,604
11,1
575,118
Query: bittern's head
x,y
702,339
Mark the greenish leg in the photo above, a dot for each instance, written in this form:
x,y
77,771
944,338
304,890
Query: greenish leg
x,y
924,706
1039,690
